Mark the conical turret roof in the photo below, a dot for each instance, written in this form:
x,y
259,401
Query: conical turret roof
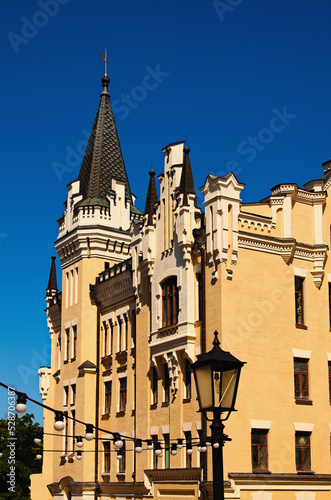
x,y
52,281
103,160
151,199
186,182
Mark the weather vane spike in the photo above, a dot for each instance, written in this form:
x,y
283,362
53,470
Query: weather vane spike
x,y
104,57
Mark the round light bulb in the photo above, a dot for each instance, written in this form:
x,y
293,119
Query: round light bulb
x,y
216,445
89,436
20,408
149,446
189,451
208,443
138,449
37,440
79,455
80,444
158,452
119,456
59,425
1,454
173,452
118,444
39,457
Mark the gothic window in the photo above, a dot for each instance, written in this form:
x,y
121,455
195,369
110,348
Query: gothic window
x,y
169,302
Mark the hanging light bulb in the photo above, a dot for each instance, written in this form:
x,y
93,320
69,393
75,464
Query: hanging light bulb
x,y
202,447
1,454
37,440
21,402
79,455
79,442
208,443
216,445
158,449
118,443
138,445
180,444
89,432
119,455
189,450
59,424
173,449
39,457
149,444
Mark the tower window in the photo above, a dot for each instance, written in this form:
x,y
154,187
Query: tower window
x,y
169,302
299,303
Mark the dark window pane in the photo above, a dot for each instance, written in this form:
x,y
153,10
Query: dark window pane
x,y
300,366
258,438
255,457
304,386
296,386
263,457
302,439
298,458
306,459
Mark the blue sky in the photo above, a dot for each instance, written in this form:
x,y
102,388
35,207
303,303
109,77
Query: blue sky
x,y
247,82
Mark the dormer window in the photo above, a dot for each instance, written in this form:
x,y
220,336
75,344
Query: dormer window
x,y
169,302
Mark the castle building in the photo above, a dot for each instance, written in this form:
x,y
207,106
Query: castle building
x,y
143,293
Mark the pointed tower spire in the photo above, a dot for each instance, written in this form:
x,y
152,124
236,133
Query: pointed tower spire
x,y
103,160
151,199
186,182
52,282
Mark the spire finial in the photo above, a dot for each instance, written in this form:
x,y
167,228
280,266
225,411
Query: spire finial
x,y
104,57
216,342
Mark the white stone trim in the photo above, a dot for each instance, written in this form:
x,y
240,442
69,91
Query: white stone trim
x,y
303,427
73,381
154,431
66,382
187,427
106,437
74,322
305,495
299,353
122,374
66,326
301,273
328,354
107,378
329,277
260,424
165,429
198,426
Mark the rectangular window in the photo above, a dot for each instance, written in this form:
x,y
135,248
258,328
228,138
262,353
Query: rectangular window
x,y
66,437
105,339
106,456
299,304
169,302
187,379
66,395
133,328
122,461
120,341
74,341
166,438
259,445
329,366
188,439
155,457
73,394
154,383
123,387
108,396
166,384
111,336
302,451
67,344
126,330
200,296
301,385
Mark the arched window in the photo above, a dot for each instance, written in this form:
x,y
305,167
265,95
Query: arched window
x,y
169,302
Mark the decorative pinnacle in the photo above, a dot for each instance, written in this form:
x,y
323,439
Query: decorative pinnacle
x,y
216,342
186,150
152,173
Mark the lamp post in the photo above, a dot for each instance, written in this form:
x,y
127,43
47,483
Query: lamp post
x,y
216,375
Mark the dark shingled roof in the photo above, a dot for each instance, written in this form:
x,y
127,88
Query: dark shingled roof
x,y
151,199
186,182
52,282
103,160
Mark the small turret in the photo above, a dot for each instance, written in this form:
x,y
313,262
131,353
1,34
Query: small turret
x,y
151,199
51,289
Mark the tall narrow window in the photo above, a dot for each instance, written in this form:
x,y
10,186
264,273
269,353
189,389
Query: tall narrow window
x,y
154,383
105,339
155,456
126,329
187,379
299,305
188,439
108,396
122,462
66,437
166,438
329,367
123,388
106,456
259,444
66,395
67,345
133,328
74,341
166,384
120,340
302,451
73,394
111,336
301,386
200,285
169,302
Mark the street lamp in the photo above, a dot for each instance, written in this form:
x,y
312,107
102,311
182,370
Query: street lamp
x,y
216,375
